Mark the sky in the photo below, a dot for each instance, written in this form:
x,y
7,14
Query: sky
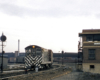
x,y
52,24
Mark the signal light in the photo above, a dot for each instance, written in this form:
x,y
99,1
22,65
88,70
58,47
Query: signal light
x,y
33,46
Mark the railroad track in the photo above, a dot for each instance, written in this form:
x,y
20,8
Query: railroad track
x,y
21,73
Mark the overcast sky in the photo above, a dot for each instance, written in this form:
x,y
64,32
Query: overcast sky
x,y
52,24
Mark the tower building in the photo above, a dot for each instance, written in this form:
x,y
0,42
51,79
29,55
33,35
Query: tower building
x,y
89,51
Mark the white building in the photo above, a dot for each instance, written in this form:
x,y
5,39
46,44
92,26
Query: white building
x,y
5,62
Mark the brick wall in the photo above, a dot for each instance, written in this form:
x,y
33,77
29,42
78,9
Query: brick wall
x,y
97,55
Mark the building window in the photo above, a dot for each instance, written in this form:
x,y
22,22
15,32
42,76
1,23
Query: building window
x,y
91,54
96,37
91,66
89,38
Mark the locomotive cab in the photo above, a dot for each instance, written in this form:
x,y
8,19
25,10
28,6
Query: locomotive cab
x,y
33,51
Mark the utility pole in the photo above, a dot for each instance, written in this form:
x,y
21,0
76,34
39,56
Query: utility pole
x,y
62,57
3,38
2,59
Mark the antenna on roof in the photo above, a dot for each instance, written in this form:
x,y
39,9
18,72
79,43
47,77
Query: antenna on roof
x,y
18,46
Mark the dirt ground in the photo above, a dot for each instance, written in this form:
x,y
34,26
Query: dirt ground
x,y
71,76
56,71
58,74
75,75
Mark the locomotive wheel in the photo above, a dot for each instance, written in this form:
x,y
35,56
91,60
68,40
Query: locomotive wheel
x,y
44,66
50,65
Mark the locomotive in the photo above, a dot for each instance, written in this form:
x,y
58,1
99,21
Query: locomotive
x,y
36,56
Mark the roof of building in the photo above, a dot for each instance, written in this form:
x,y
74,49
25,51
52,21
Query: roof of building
x,y
54,54
22,54
89,31
4,56
65,55
10,54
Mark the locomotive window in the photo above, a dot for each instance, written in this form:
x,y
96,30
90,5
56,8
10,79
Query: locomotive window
x,y
38,51
26,52
29,50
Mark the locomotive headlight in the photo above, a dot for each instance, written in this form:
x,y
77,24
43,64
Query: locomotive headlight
x,y
33,46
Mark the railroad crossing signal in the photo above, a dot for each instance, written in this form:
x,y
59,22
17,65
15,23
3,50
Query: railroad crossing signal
x,y
3,38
